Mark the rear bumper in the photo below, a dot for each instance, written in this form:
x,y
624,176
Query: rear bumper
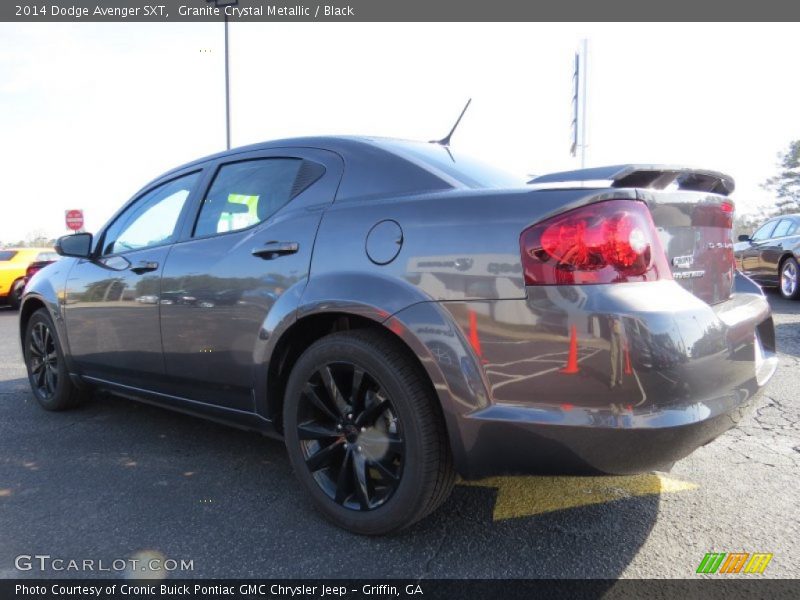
x,y
650,374
514,439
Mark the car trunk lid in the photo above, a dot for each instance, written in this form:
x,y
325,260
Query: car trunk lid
x,y
695,230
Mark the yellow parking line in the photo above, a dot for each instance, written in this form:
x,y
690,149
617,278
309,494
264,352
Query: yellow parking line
x,y
525,496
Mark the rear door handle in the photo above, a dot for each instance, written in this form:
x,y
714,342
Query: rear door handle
x,y
272,250
144,266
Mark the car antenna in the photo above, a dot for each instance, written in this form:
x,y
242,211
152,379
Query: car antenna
x,y
445,141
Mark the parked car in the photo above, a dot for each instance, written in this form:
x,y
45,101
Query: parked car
x,y
770,256
14,263
42,260
398,313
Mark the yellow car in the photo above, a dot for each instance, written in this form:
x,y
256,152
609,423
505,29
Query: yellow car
x,y
14,263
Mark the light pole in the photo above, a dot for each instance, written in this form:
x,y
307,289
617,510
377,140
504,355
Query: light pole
x,y
579,97
222,4
585,79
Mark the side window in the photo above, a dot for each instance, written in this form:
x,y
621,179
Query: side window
x,y
765,231
792,229
246,193
782,229
152,219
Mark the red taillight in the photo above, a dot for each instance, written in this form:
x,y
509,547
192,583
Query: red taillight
x,y
606,242
31,271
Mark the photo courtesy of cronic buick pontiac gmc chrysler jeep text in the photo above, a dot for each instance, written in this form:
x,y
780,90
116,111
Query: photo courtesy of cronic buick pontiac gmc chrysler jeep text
x,y
399,313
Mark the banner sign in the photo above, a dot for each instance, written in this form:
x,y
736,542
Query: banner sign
x,y
395,10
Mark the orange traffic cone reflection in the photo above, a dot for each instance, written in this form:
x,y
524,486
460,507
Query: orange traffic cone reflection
x,y
572,358
474,340
628,369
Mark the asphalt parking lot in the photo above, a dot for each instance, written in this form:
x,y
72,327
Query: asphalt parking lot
x,y
115,479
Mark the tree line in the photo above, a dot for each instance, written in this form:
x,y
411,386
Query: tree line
x,y
785,185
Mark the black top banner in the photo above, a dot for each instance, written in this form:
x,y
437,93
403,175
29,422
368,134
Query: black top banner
x,y
396,10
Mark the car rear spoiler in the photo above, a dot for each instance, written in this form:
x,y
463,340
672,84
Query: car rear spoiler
x,y
645,176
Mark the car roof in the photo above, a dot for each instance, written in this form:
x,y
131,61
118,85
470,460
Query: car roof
x,y
341,144
373,165
776,218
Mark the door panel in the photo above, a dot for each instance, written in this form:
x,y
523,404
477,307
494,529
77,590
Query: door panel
x,y
772,250
770,253
760,250
112,300
752,262
112,317
217,290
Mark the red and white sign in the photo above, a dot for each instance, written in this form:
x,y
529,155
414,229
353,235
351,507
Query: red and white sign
x,y
74,219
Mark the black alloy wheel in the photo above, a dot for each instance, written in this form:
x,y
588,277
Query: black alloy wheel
x,y
365,433
351,437
44,360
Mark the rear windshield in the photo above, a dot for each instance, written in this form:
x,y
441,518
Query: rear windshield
x,y
42,256
6,255
454,164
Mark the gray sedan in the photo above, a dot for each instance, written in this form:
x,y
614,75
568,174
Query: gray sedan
x,y
399,313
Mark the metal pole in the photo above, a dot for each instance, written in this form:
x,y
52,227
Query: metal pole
x,y
227,91
582,85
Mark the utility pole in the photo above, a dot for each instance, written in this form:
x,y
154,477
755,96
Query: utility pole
x,y
584,74
222,4
227,90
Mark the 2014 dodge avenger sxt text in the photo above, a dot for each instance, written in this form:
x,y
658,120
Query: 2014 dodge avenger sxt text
x,y
399,313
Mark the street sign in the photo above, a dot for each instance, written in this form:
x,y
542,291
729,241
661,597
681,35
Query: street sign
x,y
74,219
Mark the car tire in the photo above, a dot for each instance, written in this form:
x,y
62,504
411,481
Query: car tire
x,y
15,295
789,279
388,464
44,360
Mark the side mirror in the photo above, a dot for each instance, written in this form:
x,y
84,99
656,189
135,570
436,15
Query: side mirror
x,y
78,245
744,238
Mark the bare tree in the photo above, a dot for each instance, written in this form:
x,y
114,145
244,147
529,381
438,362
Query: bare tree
x,y
37,238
